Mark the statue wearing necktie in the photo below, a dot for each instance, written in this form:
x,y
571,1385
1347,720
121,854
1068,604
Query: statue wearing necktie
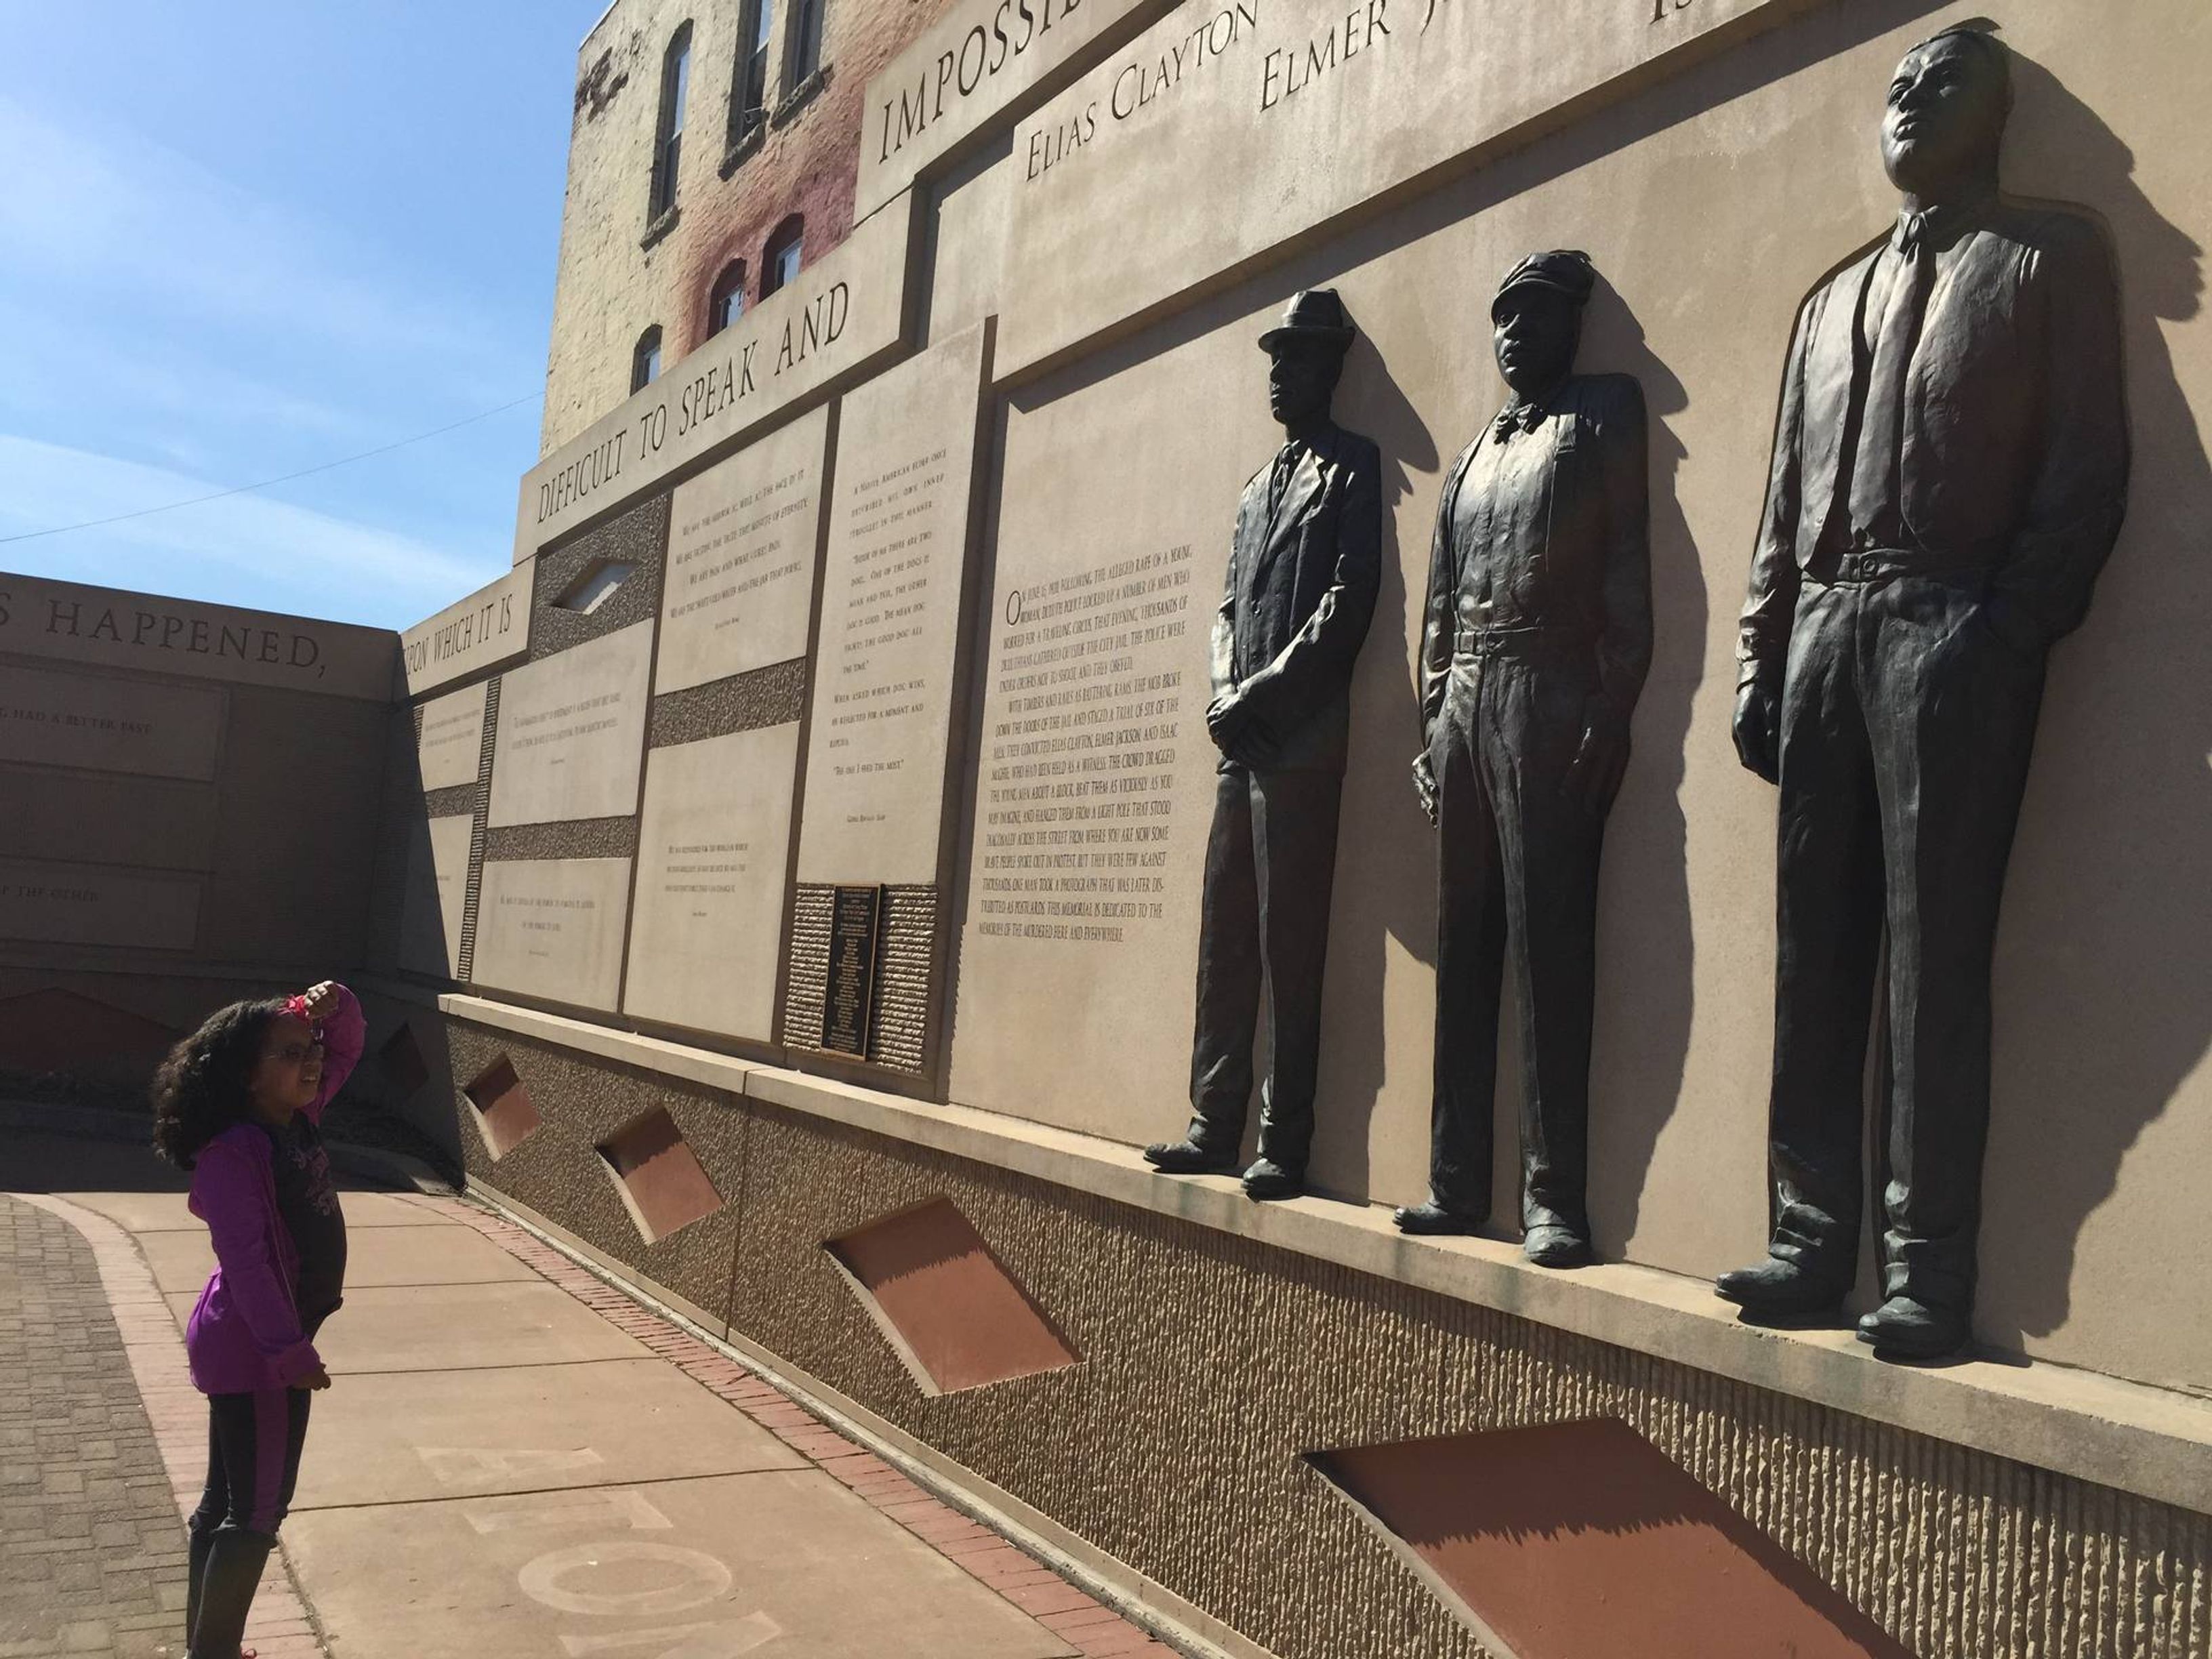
x,y
1533,647
1303,570
1950,469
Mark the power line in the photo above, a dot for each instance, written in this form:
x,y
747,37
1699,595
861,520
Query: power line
x,y
269,484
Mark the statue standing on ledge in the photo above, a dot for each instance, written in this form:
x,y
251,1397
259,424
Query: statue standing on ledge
x,y
1950,470
1302,574
1534,648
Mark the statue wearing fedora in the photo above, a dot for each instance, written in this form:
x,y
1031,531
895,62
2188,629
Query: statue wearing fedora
x,y
1534,647
1302,574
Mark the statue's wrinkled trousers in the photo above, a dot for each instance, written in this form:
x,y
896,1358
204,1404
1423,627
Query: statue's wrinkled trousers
x,y
1516,880
1907,729
1270,866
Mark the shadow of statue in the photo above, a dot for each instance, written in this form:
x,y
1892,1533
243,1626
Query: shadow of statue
x,y
2104,972
1646,949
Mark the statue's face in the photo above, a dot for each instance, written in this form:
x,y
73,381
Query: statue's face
x,y
1946,112
1300,378
1534,332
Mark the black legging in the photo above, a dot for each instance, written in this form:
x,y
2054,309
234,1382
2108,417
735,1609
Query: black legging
x,y
253,1460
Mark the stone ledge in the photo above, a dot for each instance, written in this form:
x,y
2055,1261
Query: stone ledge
x,y
2153,1442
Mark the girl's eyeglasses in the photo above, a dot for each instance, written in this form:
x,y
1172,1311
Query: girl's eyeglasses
x,y
292,1054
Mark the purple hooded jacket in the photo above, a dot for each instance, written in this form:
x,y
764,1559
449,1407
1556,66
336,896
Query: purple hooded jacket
x,y
244,1335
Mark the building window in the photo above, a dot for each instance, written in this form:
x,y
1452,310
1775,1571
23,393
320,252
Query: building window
x,y
779,261
668,140
804,51
748,97
644,359
727,301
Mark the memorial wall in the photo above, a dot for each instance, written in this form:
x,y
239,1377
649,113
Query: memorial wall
x,y
866,770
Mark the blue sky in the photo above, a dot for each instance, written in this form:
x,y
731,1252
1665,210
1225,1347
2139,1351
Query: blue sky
x,y
242,240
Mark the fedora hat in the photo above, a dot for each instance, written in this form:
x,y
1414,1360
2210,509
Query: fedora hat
x,y
1317,316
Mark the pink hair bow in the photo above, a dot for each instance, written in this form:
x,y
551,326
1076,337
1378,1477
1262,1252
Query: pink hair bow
x,y
296,1008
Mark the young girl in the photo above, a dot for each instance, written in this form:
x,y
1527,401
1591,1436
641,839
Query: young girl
x,y
238,1104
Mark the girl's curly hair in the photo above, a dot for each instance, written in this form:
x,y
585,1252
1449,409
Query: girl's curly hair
x,y
202,1088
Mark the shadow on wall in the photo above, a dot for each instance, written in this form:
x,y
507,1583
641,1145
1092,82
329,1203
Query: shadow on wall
x,y
2103,977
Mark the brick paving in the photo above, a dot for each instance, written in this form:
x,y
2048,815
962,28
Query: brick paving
x,y
92,1549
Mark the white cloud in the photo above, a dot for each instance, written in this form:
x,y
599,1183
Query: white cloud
x,y
243,550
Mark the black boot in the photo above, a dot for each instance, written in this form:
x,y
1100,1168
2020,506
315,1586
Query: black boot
x,y
1433,1219
1189,1158
234,1560
1776,1289
1905,1328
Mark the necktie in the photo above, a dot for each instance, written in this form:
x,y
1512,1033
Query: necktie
x,y
1876,473
1279,478
1519,417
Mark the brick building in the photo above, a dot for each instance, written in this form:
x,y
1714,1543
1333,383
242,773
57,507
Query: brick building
x,y
714,150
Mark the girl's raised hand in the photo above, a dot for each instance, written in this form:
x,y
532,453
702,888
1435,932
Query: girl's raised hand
x,y
322,1000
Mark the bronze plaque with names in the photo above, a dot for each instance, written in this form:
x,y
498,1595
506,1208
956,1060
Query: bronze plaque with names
x,y
849,1003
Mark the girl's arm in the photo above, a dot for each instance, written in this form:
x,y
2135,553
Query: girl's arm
x,y
231,1195
340,1011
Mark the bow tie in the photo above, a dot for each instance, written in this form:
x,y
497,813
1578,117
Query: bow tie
x,y
1520,417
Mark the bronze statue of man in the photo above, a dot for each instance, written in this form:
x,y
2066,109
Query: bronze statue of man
x,y
1950,470
1302,573
1534,647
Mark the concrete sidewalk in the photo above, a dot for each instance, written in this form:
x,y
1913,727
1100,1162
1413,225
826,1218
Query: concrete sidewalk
x,y
518,1459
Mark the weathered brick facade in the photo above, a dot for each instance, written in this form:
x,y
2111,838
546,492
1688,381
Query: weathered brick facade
x,y
615,281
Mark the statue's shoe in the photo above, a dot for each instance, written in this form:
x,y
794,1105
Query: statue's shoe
x,y
1187,1157
1554,1244
1431,1219
1269,1179
1779,1289
1903,1327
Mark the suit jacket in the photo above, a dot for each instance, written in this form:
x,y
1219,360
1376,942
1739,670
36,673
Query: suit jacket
x,y
1300,594
2015,437
1593,549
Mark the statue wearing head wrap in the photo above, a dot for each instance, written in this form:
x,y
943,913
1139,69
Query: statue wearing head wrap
x,y
1534,648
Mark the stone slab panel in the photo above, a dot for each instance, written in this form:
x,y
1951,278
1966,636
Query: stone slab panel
x,y
50,717
95,904
451,1254
723,1566
408,1436
744,542
108,627
433,903
553,928
885,684
106,817
981,66
571,732
714,852
842,318
449,750
489,629
1301,112
459,1328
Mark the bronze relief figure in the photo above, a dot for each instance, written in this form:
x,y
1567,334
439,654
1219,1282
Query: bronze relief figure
x,y
1950,470
1534,644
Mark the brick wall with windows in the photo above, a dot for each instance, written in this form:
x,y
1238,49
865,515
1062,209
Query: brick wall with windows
x,y
627,262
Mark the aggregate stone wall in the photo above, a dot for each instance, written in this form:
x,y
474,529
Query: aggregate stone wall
x,y
610,286
1208,1363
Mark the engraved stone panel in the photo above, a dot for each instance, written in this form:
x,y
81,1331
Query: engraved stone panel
x,y
713,849
977,67
742,544
891,625
839,320
450,747
571,732
50,717
106,626
489,628
553,928
435,898
93,904
1272,97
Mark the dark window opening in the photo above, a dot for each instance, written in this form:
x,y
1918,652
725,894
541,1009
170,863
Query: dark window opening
x,y
727,301
668,138
806,47
779,261
644,359
748,97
